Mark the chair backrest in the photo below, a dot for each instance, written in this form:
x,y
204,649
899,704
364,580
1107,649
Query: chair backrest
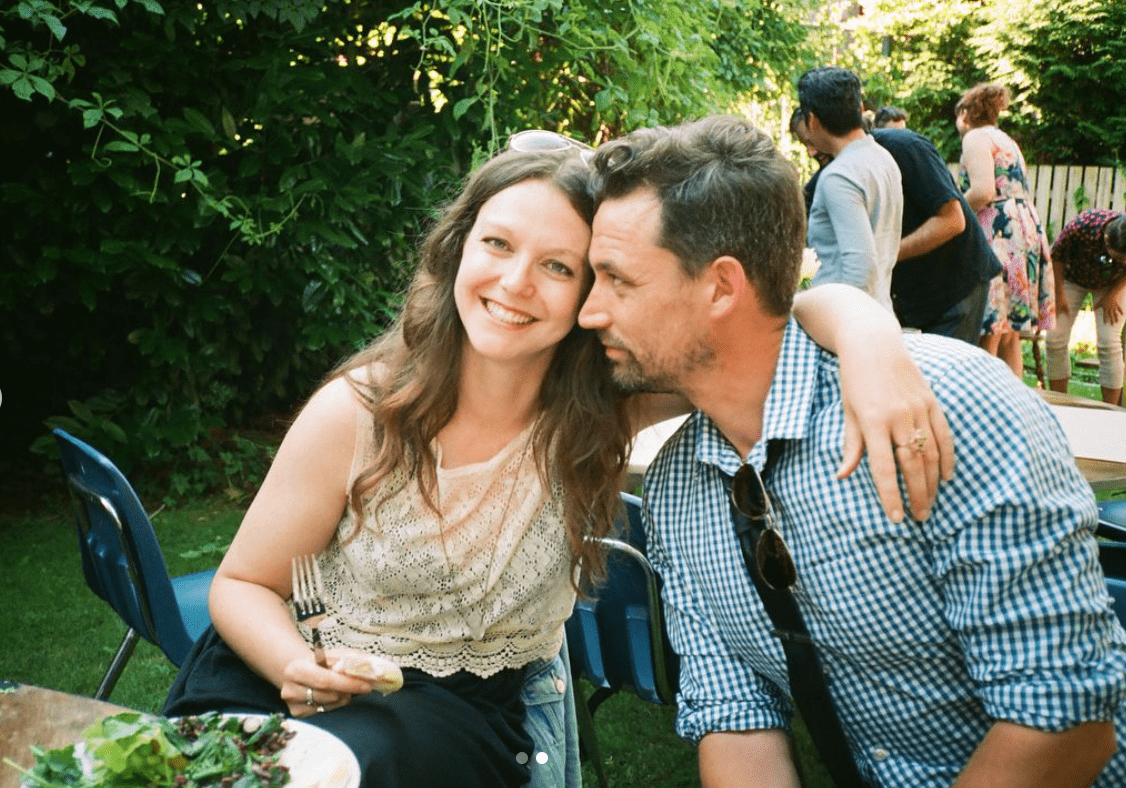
x,y
617,640
121,557
1112,553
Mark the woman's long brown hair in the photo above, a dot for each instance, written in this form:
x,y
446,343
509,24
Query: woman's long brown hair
x,y
582,435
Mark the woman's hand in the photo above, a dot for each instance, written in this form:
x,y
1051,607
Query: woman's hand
x,y
310,689
891,411
1111,306
1062,307
888,406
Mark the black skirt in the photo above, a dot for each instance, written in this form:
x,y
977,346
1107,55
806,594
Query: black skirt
x,y
459,730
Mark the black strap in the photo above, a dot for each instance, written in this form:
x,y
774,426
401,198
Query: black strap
x,y
807,678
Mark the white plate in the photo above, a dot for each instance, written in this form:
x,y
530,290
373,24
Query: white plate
x,y
316,758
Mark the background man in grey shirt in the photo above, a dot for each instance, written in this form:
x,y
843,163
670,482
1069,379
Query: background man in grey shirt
x,y
857,210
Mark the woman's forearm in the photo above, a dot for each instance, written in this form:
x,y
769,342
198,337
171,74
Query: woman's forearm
x,y
255,622
834,313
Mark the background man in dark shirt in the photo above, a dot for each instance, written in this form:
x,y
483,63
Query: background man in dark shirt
x,y
940,282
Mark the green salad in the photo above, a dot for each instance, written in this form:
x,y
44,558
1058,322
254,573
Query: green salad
x,y
134,750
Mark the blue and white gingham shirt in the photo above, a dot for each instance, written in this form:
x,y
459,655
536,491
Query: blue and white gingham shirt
x,y
994,608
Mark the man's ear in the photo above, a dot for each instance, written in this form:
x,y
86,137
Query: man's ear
x,y
729,284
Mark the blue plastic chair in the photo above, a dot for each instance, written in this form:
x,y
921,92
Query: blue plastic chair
x,y
124,565
1112,552
617,640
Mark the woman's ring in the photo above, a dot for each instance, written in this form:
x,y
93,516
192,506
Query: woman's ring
x,y
309,696
320,709
917,444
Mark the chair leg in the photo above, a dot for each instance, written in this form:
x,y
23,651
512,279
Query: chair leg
x,y
124,652
1037,361
588,738
600,694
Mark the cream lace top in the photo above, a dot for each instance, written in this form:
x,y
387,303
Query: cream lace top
x,y
482,588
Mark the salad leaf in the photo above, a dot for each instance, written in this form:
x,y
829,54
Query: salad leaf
x,y
127,748
58,767
134,750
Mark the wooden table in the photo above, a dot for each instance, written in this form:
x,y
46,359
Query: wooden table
x,y
1059,398
1096,432
49,719
1103,475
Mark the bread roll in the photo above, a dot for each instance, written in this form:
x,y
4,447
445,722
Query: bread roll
x,y
382,673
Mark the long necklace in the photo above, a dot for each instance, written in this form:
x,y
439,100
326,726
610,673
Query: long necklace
x,y
479,629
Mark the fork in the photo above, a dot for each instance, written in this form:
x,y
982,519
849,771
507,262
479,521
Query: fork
x,y
308,600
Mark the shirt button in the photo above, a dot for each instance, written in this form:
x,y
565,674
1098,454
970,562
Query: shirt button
x,y
560,685
879,754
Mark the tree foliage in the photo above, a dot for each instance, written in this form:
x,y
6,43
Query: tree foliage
x,y
1065,61
916,55
212,203
206,215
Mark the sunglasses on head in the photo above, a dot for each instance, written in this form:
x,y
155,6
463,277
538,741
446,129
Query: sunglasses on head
x,y
772,558
544,141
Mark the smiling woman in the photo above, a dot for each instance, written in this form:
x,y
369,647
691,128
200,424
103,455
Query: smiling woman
x,y
521,278
438,476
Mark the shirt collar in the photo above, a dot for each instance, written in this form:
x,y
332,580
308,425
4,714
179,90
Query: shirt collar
x,y
788,405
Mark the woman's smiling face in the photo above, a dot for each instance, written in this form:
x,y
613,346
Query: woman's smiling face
x,y
522,274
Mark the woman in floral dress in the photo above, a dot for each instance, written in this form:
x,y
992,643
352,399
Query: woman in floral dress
x,y
994,179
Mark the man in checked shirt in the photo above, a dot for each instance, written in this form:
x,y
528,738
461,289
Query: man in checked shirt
x,y
971,645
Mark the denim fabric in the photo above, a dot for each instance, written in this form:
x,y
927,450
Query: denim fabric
x,y
550,722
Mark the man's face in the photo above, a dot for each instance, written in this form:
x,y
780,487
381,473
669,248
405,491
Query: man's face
x,y
651,317
806,138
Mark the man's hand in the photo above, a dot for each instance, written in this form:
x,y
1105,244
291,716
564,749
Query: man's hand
x,y
947,222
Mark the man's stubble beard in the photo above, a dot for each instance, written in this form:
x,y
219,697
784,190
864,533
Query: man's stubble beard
x,y
630,374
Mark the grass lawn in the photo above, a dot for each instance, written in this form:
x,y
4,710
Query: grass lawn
x,y
58,634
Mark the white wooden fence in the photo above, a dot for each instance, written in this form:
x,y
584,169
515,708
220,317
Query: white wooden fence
x,y
1056,187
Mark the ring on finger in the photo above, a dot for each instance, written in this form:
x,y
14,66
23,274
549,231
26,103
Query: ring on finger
x,y
320,709
309,696
917,443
